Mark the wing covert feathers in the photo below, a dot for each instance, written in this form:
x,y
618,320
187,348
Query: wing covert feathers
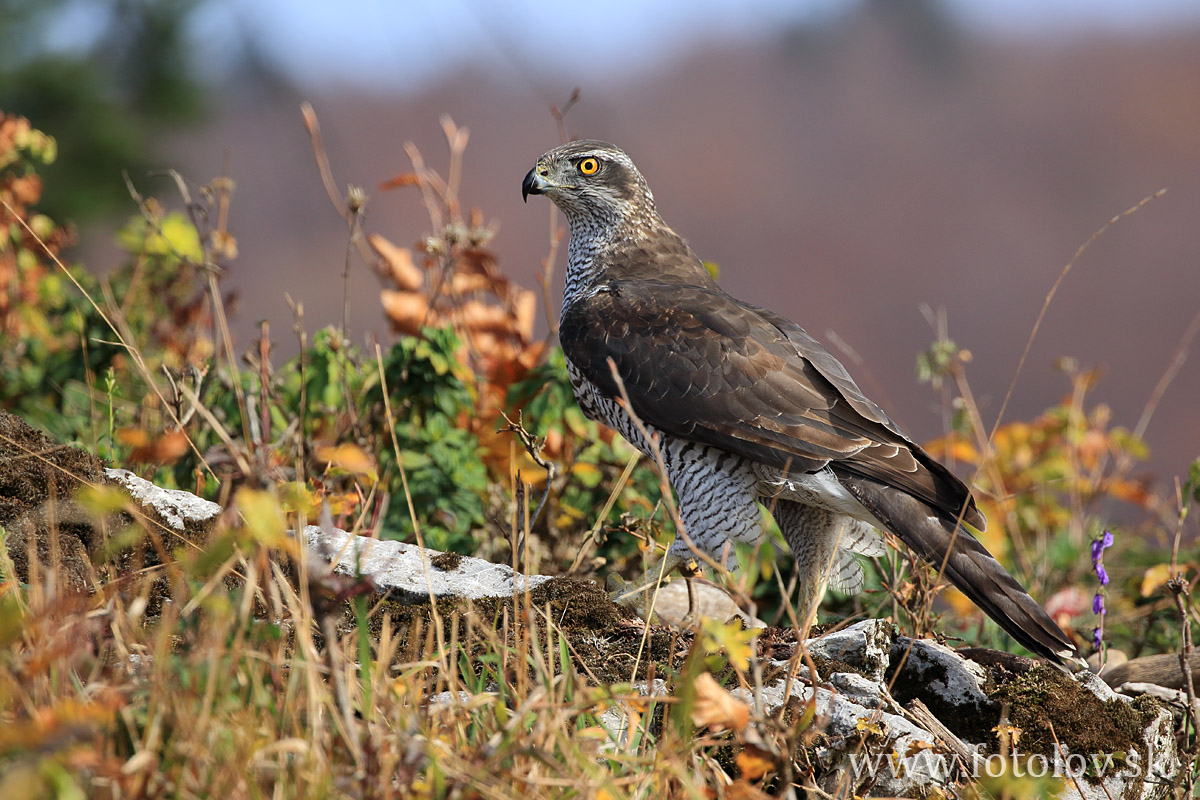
x,y
700,365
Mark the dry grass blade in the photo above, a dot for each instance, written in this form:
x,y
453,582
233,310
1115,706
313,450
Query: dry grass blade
x,y
1050,296
433,606
133,352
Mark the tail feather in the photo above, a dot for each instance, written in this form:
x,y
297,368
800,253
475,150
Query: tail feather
x,y
970,567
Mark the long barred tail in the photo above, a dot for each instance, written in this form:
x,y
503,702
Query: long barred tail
x,y
970,567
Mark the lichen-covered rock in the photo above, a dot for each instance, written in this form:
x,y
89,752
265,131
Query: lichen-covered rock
x,y
1145,773
407,571
182,511
866,646
952,679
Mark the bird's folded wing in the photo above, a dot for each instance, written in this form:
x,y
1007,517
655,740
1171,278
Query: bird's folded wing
x,y
700,365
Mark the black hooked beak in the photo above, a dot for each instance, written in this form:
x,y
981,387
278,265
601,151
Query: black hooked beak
x,y
533,184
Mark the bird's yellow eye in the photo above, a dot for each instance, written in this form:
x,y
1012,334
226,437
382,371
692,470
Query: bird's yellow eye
x,y
589,166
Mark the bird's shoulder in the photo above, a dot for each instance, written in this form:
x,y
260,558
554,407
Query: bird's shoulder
x,y
671,320
670,323
698,363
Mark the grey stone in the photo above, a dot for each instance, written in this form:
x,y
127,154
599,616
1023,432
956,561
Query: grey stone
x,y
616,720
866,645
675,600
183,511
858,689
943,672
898,759
406,570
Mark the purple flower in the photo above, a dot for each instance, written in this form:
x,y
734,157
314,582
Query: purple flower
x,y
1100,545
1098,548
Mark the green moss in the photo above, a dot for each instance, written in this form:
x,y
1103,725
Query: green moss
x,y
1082,722
446,562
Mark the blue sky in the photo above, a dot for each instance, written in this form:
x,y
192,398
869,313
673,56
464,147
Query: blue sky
x,y
403,43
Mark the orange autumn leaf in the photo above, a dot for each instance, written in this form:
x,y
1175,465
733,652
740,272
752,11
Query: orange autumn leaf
x,y
465,284
26,190
343,503
407,311
953,446
400,181
716,708
481,262
165,449
962,605
404,272
480,316
754,763
1131,491
1155,577
132,437
349,457
525,311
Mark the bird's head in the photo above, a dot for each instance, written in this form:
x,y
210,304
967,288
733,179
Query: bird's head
x,y
591,180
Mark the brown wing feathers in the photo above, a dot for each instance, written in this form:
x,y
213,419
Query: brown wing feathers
x,y
698,364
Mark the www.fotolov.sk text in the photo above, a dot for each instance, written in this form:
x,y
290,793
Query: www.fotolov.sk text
x,y
1127,766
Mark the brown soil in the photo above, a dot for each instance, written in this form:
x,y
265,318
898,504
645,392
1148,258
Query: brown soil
x,y
38,481
446,562
603,639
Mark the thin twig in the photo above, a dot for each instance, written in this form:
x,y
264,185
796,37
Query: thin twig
x,y
339,203
534,449
560,115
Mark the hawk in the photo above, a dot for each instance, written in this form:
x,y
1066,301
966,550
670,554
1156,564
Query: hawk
x,y
746,407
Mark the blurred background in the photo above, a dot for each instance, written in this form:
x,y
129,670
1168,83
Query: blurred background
x,y
847,164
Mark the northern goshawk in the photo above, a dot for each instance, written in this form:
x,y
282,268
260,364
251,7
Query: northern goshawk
x,y
748,408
